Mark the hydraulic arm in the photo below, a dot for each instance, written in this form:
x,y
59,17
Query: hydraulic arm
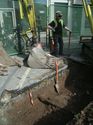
x,y
88,7
28,6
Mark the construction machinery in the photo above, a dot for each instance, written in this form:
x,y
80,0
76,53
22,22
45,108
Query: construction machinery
x,y
17,24
88,7
27,8
26,37
87,41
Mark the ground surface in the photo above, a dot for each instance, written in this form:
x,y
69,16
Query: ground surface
x,y
69,107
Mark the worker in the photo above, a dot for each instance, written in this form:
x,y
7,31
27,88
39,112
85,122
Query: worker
x,y
56,26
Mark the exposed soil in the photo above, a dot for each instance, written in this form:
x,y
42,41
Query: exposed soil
x,y
72,106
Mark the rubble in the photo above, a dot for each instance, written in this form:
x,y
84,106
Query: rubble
x,y
5,59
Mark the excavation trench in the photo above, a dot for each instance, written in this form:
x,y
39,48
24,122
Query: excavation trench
x,y
49,107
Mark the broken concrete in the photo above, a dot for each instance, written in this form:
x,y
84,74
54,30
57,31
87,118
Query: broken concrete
x,y
38,58
5,59
19,79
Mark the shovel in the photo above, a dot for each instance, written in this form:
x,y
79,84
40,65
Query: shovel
x,y
69,39
56,78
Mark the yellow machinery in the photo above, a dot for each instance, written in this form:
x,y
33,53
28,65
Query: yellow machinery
x,y
87,41
28,5
27,11
88,7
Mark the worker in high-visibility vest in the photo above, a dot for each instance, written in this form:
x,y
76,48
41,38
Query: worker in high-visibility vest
x,y
56,26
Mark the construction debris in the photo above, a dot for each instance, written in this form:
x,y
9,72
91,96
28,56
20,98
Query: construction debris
x,y
18,61
5,59
3,69
38,58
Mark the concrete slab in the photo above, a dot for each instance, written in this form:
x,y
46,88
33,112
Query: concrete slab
x,y
24,77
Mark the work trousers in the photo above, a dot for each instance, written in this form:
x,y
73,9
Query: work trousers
x,y
58,45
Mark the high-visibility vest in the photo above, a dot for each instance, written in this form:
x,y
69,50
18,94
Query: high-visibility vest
x,y
60,21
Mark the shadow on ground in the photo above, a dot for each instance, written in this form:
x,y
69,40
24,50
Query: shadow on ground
x,y
79,82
